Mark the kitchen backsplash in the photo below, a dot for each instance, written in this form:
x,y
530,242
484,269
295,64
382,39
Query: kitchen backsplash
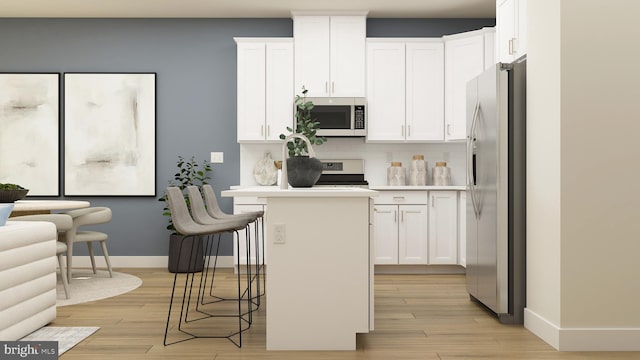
x,y
377,157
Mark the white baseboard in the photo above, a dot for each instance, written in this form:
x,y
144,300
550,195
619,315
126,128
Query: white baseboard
x,y
582,339
138,261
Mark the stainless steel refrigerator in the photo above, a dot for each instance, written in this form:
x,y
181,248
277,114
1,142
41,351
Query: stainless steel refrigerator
x,y
496,221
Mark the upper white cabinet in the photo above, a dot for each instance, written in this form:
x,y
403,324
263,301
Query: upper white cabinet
x,y
330,55
405,90
466,55
511,29
265,88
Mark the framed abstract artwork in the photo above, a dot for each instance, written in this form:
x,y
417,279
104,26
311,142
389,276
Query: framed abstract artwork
x,y
30,131
109,134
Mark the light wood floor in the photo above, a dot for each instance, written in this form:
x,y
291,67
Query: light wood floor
x,y
417,317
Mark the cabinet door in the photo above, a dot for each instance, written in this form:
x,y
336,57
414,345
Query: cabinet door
x,y
443,228
241,250
312,43
279,89
251,91
385,91
506,30
385,234
413,236
464,60
425,91
347,49
462,228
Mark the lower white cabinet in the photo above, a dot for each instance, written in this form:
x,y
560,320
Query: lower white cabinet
x,y
400,228
443,227
462,228
419,227
241,250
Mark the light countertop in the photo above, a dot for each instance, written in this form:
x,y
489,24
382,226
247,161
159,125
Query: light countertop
x,y
411,188
275,191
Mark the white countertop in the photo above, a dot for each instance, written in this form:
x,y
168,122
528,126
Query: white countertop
x,y
409,187
275,191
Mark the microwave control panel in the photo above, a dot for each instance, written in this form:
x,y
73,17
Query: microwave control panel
x,y
359,117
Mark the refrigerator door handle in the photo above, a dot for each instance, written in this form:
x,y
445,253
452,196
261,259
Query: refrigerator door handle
x,y
470,160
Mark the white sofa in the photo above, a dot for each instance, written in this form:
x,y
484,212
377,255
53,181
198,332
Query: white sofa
x,y
27,277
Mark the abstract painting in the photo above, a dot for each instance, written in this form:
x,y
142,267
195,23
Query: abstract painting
x,y
29,131
109,134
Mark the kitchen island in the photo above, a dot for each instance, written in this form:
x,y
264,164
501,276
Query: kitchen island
x,y
320,275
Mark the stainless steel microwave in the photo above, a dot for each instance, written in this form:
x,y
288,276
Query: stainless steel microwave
x,y
340,117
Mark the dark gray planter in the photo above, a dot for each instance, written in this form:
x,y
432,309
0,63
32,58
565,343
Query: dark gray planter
x,y
179,261
303,171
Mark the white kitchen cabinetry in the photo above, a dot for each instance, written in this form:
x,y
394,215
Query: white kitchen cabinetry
x,y
400,228
243,206
405,90
330,55
462,228
466,55
443,227
265,88
511,29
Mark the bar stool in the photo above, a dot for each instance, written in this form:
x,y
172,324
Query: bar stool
x,y
255,217
201,216
186,226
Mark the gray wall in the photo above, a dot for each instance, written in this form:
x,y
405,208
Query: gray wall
x,y
195,60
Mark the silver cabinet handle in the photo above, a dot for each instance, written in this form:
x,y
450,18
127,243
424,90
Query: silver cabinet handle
x,y
402,130
398,198
408,130
268,130
514,45
402,216
395,216
261,130
448,129
333,87
326,87
432,202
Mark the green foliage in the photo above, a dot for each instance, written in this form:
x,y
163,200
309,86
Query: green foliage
x,y
8,186
189,173
305,125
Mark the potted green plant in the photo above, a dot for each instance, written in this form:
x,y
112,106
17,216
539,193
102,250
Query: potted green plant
x,y
11,192
303,170
189,172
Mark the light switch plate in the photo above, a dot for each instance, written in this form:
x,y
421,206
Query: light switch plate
x,y
217,157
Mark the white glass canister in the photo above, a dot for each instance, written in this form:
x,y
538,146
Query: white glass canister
x,y
441,174
418,171
396,174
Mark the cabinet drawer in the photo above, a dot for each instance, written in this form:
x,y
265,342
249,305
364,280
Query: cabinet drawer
x,y
250,200
402,197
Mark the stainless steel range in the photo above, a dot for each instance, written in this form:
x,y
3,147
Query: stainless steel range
x,y
343,172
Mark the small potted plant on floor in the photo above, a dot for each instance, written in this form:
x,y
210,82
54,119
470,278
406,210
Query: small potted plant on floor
x,y
303,170
189,173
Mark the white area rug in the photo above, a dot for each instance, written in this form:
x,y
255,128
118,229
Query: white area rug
x,y
87,286
67,337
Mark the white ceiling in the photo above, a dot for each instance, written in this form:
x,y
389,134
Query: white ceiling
x,y
244,8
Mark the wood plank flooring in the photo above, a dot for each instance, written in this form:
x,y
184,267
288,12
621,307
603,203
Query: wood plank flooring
x,y
417,317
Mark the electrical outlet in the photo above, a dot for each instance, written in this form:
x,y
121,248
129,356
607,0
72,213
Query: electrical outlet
x,y
279,234
217,157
